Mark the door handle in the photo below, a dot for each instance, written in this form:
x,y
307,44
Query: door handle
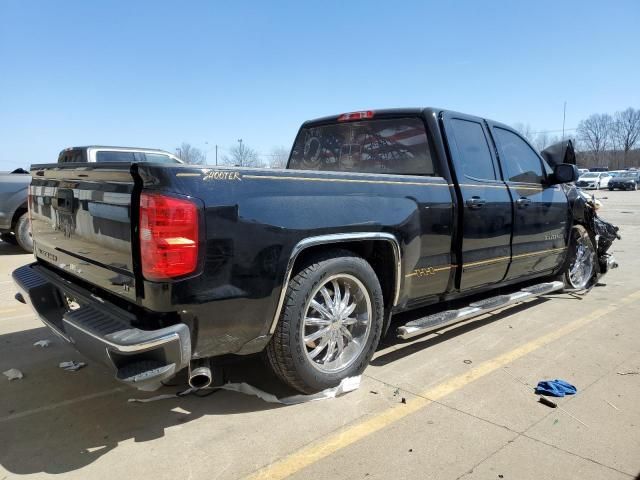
x,y
523,202
476,202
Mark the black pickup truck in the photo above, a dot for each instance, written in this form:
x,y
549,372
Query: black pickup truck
x,y
153,268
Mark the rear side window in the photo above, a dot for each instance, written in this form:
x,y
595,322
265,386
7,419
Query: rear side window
x,y
396,146
114,156
474,156
520,162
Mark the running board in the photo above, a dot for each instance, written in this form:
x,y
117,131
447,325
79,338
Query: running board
x,y
475,309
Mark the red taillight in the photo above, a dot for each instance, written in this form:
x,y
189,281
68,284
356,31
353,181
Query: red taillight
x,y
168,236
348,117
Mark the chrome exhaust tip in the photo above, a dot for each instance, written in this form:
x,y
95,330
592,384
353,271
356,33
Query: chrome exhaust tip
x,y
200,375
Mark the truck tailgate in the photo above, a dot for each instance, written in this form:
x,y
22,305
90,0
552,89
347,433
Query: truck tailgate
x,y
81,222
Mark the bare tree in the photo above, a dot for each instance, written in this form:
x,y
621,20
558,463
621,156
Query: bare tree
x,y
541,141
189,154
525,130
595,134
242,156
626,130
544,139
279,157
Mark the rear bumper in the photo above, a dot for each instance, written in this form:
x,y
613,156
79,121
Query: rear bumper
x,y
104,332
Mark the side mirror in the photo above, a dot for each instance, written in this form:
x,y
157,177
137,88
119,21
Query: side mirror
x,y
564,173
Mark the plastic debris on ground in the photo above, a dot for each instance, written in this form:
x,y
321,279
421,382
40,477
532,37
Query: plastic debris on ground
x,y
346,385
72,365
555,388
13,374
42,343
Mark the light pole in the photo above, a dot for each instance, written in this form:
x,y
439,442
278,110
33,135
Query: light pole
x,y
208,150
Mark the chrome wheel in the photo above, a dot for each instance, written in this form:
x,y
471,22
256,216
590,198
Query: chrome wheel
x,y
337,323
582,266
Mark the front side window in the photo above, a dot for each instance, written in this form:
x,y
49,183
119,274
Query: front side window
x,y
396,146
474,157
520,162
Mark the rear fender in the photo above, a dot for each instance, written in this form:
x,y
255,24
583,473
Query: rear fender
x,y
336,239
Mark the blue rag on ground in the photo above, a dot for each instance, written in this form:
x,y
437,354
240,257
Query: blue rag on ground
x,y
555,388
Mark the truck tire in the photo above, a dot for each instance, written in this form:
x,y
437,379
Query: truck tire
x,y
581,261
330,323
23,233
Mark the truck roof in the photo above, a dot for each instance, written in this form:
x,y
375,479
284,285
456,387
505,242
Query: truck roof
x,y
391,113
110,147
379,113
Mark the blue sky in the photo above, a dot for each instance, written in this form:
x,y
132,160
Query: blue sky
x,y
155,74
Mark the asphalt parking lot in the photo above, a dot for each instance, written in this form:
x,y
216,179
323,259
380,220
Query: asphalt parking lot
x,y
451,405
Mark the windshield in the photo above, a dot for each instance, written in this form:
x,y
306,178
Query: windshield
x,y
590,175
628,175
397,146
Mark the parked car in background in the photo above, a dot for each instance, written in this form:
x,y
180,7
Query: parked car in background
x,y
582,171
625,181
599,169
594,180
98,153
14,217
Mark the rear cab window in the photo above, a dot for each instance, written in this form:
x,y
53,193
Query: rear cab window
x,y
393,146
72,156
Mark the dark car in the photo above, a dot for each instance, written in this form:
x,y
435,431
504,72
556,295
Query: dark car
x,y
625,181
14,217
152,268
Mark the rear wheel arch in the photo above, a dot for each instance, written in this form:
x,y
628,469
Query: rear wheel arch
x,y
310,368
381,250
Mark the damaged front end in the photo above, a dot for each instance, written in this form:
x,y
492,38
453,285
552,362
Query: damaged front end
x,y
584,210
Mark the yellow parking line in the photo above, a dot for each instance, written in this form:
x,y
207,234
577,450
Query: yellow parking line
x,y
316,451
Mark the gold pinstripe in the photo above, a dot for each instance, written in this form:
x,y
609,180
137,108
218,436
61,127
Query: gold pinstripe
x,y
434,270
490,260
379,182
385,182
345,180
521,255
